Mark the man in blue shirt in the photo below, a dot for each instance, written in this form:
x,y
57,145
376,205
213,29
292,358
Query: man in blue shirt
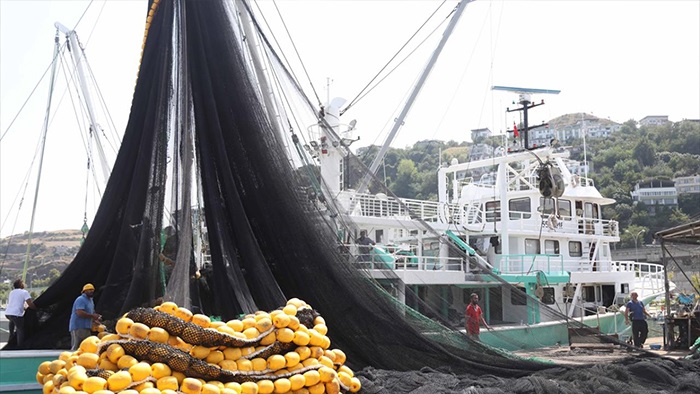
x,y
636,312
365,247
82,316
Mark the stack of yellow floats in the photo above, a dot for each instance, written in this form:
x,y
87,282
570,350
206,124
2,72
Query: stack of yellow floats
x,y
167,350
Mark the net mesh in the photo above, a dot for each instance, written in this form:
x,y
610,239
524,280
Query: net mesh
x,y
236,192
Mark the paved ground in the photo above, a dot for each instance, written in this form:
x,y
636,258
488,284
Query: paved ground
x,y
581,356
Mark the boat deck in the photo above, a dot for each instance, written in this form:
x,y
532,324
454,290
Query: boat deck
x,y
567,355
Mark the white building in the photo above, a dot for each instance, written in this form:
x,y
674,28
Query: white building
x,y
478,134
688,184
654,120
656,193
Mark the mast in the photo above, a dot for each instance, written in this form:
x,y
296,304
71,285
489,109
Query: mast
x,y
44,131
414,94
79,60
525,101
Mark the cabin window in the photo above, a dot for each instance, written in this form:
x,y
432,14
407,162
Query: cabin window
x,y
518,297
551,246
546,205
625,288
548,296
588,294
493,211
519,208
591,210
379,236
575,249
565,209
532,246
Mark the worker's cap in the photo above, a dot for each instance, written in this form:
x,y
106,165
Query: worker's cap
x,y
87,287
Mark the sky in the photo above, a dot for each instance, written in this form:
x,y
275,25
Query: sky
x,y
619,60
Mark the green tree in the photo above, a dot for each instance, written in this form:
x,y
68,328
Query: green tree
x,y
695,281
645,153
689,203
632,233
406,176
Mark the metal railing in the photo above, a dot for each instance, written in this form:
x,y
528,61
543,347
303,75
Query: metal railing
x,y
530,263
474,215
650,274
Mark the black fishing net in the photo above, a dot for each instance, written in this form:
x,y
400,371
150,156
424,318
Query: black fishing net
x,y
203,157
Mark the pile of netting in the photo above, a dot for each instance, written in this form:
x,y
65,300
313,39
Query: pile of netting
x,y
196,107
628,376
169,349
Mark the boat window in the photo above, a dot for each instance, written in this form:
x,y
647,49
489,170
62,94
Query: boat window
x,y
625,288
551,246
565,209
588,294
532,246
493,211
519,208
575,249
591,210
546,205
518,297
548,296
379,236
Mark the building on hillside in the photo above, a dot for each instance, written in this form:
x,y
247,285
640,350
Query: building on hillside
x,y
688,184
541,136
480,134
654,120
591,127
656,194
480,151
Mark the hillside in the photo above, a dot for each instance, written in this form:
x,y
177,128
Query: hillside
x,y
572,119
49,250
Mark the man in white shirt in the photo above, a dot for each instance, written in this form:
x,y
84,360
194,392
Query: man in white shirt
x,y
15,309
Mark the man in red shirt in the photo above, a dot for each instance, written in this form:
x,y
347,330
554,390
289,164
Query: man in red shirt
x,y
473,317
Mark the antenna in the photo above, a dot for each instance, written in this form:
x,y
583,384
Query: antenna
x,y
525,100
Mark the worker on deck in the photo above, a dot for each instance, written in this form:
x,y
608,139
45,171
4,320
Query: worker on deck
x,y
82,316
19,297
636,312
474,317
365,246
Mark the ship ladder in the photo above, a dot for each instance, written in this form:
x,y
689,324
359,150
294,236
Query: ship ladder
x,y
473,217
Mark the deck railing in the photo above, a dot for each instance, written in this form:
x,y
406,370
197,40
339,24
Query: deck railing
x,y
651,275
529,263
474,216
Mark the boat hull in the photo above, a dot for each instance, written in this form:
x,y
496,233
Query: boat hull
x,y
18,370
547,334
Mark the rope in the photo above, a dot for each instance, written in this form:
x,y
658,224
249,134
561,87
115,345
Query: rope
x,y
360,95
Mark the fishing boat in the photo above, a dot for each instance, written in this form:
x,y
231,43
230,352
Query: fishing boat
x,y
554,249
528,216
266,241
